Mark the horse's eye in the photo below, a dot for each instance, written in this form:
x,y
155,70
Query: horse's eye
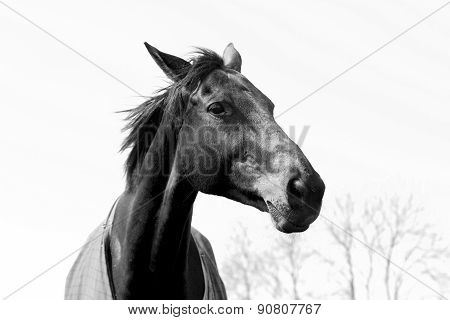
x,y
216,109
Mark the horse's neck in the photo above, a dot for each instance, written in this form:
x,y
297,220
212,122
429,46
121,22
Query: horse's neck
x,y
150,238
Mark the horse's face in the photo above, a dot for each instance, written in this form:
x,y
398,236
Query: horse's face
x,y
230,145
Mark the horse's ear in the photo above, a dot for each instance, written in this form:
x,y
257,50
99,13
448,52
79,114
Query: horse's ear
x,y
232,58
175,68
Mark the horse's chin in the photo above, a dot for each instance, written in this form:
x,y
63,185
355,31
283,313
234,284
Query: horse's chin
x,y
278,215
282,223
285,226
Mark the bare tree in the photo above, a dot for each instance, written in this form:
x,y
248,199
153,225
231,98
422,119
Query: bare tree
x,y
242,270
392,228
291,258
392,233
273,271
345,242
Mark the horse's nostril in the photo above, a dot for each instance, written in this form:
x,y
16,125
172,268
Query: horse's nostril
x,y
306,193
296,187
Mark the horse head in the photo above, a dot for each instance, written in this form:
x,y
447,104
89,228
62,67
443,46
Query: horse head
x,y
229,144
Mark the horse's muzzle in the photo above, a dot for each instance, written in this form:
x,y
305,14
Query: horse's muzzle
x,y
305,200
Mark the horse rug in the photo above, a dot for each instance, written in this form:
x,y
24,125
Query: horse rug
x,y
90,279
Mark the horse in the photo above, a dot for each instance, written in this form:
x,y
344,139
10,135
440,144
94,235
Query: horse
x,y
212,131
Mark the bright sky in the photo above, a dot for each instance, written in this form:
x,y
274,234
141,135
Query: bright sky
x,y
380,129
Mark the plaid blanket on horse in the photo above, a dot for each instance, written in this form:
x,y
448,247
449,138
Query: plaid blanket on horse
x,y
89,278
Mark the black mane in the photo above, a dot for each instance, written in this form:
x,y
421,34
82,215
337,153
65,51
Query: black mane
x,y
144,120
